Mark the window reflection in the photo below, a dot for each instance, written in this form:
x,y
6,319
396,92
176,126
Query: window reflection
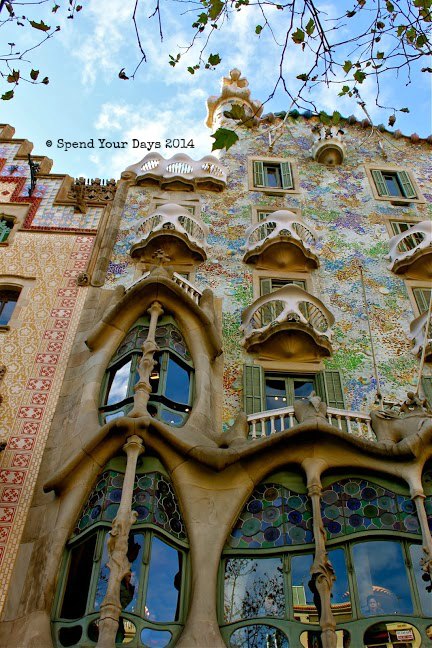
x,y
381,578
340,598
253,588
118,390
164,582
177,383
78,582
258,636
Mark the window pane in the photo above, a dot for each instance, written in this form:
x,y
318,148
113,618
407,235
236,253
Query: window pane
x,y
272,176
171,417
155,638
417,553
381,578
78,580
303,388
163,590
341,599
303,603
177,383
6,309
253,588
258,636
392,184
276,395
118,389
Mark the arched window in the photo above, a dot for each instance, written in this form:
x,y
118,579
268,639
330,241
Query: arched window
x,y
171,379
8,301
153,593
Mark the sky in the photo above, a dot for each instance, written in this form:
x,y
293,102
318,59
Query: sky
x,y
86,101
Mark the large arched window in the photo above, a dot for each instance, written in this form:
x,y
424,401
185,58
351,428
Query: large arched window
x,y
171,379
373,542
153,593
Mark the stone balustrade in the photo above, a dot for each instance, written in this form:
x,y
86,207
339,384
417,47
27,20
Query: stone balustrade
x,y
281,223
173,217
267,423
408,251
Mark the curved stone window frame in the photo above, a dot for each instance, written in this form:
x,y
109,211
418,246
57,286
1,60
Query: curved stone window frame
x,y
149,532
160,406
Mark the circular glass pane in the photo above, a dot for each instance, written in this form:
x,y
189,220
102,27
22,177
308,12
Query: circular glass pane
x,y
389,633
155,638
312,639
70,636
258,636
125,633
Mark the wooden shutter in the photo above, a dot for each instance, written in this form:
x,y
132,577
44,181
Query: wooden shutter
x,y
265,287
427,388
407,186
258,173
380,183
252,389
333,389
422,297
286,173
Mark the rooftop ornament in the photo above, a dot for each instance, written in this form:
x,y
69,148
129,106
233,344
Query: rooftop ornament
x,y
34,170
234,91
328,147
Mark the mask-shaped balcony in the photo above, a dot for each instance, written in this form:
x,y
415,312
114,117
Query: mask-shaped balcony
x,y
173,229
417,335
290,324
411,252
180,172
282,240
328,147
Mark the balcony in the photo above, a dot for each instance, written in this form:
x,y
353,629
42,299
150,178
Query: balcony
x,y
411,252
179,173
282,241
173,230
289,324
418,334
328,147
267,423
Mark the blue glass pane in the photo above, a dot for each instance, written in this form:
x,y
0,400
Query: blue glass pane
x,y
173,418
119,386
177,383
417,553
6,310
253,588
258,636
111,417
340,600
164,582
303,604
155,638
382,578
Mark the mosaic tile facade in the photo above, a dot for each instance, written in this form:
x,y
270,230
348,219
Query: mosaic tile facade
x,y
338,203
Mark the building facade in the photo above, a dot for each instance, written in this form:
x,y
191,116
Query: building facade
x,y
216,385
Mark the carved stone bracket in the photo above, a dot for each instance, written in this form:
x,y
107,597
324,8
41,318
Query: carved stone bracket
x,y
84,192
118,563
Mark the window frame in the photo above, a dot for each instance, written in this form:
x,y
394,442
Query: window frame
x,y
273,162
372,171
289,277
412,285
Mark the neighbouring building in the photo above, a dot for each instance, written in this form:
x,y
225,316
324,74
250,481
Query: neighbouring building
x,y
216,382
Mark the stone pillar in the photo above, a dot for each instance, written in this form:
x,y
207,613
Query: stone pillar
x,y
322,572
418,497
146,364
117,548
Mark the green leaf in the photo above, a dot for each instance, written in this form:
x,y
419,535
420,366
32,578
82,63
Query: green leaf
x,y
203,18
224,139
55,8
380,55
390,7
298,36
336,117
45,81
347,66
359,76
258,29
214,59
13,77
34,74
310,27
40,25
344,91
400,30
380,24
302,77
421,40
78,8
7,95
191,70
215,9
237,112
324,118
405,110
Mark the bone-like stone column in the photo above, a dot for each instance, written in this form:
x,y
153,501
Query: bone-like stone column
x,y
322,572
146,364
418,497
118,563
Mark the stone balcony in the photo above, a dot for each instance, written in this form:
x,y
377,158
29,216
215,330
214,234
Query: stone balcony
x,y
328,147
418,334
411,252
289,324
175,231
180,172
282,240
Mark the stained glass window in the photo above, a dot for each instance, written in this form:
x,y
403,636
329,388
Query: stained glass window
x,y
354,505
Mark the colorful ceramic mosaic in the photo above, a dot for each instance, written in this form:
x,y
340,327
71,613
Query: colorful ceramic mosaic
x,y
153,500
273,517
355,505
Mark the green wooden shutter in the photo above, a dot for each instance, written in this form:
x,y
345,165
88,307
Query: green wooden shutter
x,y
258,174
286,173
427,388
333,389
380,183
407,186
253,389
422,297
265,287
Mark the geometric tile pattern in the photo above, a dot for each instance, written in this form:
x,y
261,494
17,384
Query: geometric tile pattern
x,y
35,352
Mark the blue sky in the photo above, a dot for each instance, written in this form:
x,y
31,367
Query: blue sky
x,y
86,100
